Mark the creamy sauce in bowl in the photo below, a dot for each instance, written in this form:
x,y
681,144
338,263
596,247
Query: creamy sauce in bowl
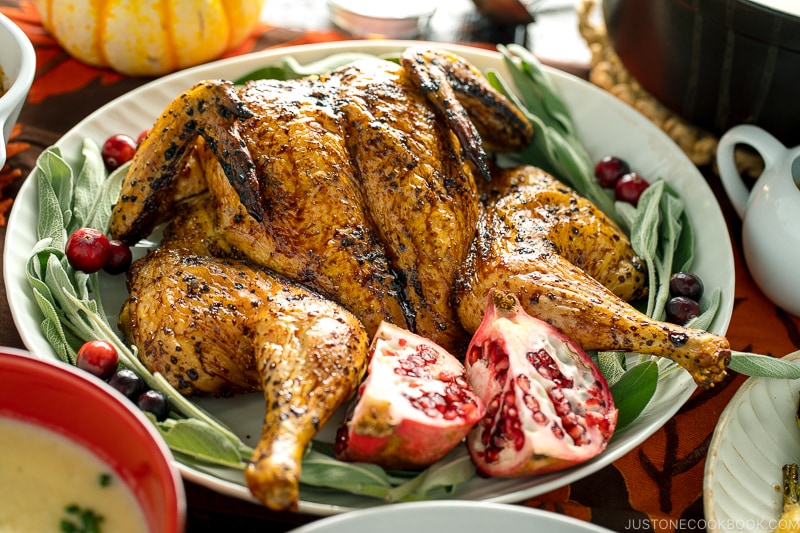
x,y
46,478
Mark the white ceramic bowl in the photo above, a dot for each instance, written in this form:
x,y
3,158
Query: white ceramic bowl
x,y
457,515
18,64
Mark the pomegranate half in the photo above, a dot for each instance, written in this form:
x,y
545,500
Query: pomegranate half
x,y
414,406
548,406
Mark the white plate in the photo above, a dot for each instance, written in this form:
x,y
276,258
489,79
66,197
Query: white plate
x,y
755,436
606,125
461,516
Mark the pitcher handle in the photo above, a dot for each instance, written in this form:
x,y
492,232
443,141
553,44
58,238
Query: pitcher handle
x,y
2,149
770,149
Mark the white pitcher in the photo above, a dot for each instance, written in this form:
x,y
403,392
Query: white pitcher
x,y
770,212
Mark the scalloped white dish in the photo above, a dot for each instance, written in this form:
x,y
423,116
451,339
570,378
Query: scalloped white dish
x,y
755,436
606,125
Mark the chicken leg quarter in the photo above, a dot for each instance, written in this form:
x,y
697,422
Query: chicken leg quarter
x,y
531,238
216,326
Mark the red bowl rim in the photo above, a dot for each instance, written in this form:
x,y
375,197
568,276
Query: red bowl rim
x,y
67,375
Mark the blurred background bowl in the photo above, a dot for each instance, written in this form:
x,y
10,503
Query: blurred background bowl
x,y
379,19
717,63
70,402
17,66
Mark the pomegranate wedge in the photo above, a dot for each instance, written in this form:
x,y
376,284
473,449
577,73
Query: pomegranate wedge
x,y
414,406
548,406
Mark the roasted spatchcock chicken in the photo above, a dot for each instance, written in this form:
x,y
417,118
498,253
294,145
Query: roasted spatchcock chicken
x,y
367,186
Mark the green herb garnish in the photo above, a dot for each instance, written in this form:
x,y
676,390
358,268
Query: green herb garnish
x,y
79,520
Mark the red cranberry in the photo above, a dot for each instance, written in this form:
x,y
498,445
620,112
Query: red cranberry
x,y
141,136
87,250
119,257
630,187
609,170
118,150
98,357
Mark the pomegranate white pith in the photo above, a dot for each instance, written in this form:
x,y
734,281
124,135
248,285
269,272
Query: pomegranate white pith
x,y
548,407
414,406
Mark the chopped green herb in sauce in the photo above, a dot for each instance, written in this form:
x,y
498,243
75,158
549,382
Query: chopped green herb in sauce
x,y
80,520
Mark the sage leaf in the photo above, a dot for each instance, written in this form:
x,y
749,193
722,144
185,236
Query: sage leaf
x,y
684,249
51,220
670,230
194,438
100,213
321,66
58,280
633,391
626,214
712,303
87,184
611,365
439,479
321,470
59,175
763,366
54,334
644,237
538,91
291,69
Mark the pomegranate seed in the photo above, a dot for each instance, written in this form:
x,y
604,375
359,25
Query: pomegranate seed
x,y
118,150
87,250
629,188
609,170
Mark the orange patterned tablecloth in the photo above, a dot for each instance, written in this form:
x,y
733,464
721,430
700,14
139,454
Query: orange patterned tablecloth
x,y
656,486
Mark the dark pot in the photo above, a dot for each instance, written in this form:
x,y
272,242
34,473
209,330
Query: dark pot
x,y
717,63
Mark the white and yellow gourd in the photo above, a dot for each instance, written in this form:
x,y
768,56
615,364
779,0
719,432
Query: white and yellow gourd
x,y
148,37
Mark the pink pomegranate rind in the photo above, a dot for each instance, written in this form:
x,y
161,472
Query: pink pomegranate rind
x,y
548,406
414,406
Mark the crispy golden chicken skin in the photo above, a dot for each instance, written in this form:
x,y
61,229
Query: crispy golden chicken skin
x,y
540,240
359,183
220,326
